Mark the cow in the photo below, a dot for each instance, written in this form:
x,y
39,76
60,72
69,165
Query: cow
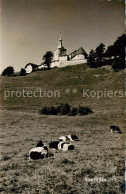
x,y
39,152
69,138
61,145
115,129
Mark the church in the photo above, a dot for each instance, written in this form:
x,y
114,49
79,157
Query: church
x,y
61,59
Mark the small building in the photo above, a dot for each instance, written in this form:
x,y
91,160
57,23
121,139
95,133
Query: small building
x,y
79,54
30,67
61,59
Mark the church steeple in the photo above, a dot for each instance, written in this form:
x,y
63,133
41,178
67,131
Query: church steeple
x,y
60,41
60,36
60,51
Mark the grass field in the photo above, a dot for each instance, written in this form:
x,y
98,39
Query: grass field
x,y
97,163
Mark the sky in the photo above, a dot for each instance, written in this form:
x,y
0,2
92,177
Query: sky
x,y
30,28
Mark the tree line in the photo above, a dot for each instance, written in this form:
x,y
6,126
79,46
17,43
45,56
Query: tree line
x,y
9,71
114,55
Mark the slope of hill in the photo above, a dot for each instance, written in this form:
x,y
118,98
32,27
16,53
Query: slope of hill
x,y
97,163
63,85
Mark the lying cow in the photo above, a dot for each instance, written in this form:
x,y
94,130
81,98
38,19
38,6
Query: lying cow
x,y
60,145
40,151
115,129
69,138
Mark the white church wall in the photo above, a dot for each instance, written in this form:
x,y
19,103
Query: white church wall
x,y
78,57
56,56
55,64
63,58
63,63
76,62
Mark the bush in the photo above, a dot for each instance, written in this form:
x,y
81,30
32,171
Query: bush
x,y
9,71
73,111
49,110
22,72
65,109
45,111
53,110
84,110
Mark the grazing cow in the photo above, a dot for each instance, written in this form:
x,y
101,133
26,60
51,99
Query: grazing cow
x,y
69,138
61,145
115,129
40,151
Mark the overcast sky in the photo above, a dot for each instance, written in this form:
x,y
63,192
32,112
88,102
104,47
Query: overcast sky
x,y
29,28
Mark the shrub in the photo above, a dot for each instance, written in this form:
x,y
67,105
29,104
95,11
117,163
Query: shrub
x,y
53,110
73,111
22,72
84,110
45,110
9,71
64,109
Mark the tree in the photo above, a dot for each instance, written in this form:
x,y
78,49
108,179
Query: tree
x,y
118,65
118,48
95,58
100,52
9,71
22,72
114,55
91,58
117,51
110,51
48,58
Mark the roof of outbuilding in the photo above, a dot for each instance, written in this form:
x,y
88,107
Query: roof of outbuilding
x,y
77,52
32,64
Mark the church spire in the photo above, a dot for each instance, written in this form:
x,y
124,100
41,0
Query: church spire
x,y
60,36
60,41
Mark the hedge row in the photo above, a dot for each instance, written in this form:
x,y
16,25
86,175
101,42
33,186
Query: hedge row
x,y
66,109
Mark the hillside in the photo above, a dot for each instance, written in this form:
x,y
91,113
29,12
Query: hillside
x,y
97,163
70,82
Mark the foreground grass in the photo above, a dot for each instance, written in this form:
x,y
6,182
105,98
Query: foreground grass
x,y
98,154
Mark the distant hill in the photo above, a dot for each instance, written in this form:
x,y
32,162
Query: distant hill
x,y
70,82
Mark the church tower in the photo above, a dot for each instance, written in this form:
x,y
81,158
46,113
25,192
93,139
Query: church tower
x,y
60,51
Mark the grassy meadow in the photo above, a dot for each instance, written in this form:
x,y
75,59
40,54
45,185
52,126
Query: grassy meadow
x,y
97,163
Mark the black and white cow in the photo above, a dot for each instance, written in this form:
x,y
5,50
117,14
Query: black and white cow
x,y
61,145
40,151
115,129
69,138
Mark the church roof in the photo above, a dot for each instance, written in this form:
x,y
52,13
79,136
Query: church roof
x,y
77,52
